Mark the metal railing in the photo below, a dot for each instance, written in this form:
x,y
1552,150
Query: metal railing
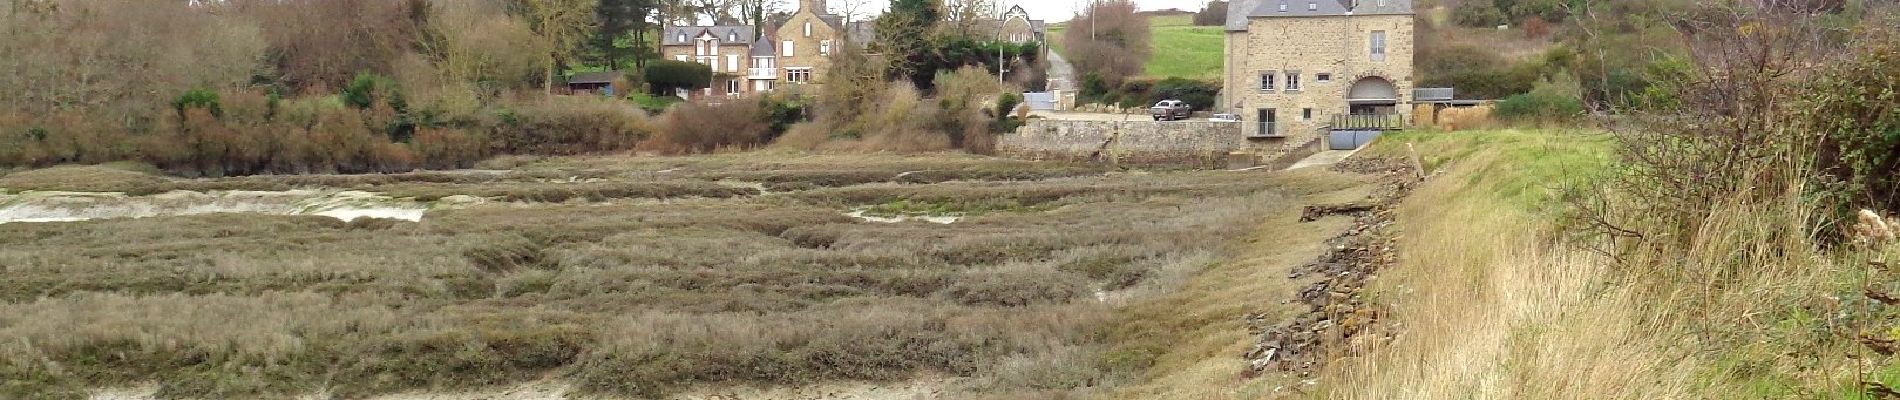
x,y
1387,122
763,73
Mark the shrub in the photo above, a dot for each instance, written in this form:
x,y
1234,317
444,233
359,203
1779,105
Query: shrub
x,y
1556,102
1479,14
367,90
1199,94
1476,72
700,127
667,76
439,148
1859,135
781,112
568,125
1094,89
198,98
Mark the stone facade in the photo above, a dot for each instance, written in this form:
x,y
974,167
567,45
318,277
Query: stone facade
x,y
1190,143
1018,27
726,49
806,42
1301,63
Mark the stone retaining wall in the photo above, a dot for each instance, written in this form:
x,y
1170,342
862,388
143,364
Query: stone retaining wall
x,y
1204,144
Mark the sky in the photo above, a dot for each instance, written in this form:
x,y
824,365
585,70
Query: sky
x,y
1061,10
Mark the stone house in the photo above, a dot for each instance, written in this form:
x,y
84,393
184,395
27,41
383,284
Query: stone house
x,y
1017,27
741,62
1297,68
806,42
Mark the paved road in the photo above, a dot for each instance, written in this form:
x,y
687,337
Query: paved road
x,y
1061,73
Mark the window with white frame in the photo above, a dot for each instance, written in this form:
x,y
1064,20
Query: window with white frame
x,y
1293,80
734,87
1323,77
798,75
1312,6
732,36
807,28
1378,45
732,63
1267,80
789,51
824,48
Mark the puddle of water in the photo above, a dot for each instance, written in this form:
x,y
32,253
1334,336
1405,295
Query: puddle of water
x,y
935,219
42,207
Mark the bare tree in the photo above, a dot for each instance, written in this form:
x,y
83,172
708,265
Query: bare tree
x,y
1109,39
969,18
561,25
856,10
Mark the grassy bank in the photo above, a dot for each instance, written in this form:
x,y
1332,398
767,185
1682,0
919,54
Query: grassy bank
x,y
1493,302
1184,50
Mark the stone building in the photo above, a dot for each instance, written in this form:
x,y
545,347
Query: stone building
x,y
1295,68
806,42
732,52
1017,27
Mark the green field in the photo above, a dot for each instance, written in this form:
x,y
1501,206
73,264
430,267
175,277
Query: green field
x,y
1181,49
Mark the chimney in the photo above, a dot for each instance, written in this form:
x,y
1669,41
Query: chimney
x,y
816,6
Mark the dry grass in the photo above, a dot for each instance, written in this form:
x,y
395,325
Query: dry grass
x,y
1186,344
642,298
1492,306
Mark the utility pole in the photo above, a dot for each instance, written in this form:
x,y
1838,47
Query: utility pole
x,y
1000,22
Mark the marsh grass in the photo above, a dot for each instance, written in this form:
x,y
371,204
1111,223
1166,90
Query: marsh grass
x,y
641,298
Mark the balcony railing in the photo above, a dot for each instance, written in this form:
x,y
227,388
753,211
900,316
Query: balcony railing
x,y
1384,122
763,73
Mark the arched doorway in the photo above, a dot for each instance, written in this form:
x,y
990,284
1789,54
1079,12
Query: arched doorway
x,y
1373,95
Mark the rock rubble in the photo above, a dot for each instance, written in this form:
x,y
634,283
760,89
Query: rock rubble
x,y
1338,320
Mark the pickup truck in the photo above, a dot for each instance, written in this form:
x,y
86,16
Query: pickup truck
x,y
1172,110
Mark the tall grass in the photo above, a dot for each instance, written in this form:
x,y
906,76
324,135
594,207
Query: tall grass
x,y
648,298
1493,302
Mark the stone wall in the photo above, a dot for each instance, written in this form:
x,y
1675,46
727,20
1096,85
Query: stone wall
x,y
1203,144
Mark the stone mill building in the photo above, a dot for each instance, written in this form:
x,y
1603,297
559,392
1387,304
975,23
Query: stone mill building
x,y
1297,68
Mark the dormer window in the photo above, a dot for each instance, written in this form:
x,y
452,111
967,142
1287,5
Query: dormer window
x,y
682,38
1282,7
1312,6
732,36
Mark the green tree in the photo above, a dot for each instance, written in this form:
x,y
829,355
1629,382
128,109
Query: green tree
x,y
668,75
903,37
620,33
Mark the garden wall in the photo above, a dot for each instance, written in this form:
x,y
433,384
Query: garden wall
x,y
1204,144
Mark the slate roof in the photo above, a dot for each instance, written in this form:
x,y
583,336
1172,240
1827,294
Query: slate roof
x,y
593,77
763,48
742,34
1241,11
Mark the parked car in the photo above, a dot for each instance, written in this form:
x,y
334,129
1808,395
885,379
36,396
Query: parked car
x,y
1172,110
